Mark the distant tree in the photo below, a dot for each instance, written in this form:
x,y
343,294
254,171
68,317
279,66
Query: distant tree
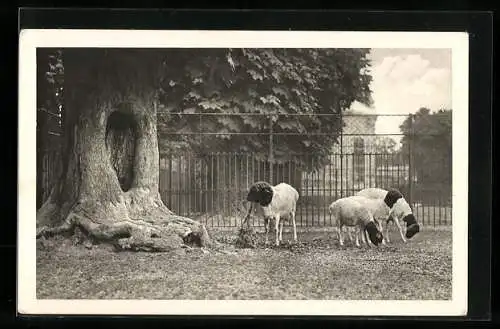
x,y
429,138
261,81
385,144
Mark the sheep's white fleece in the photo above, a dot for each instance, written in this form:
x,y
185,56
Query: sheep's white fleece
x,y
350,212
377,207
373,193
284,202
400,209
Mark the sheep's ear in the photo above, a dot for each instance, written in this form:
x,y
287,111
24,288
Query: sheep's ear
x,y
261,192
391,197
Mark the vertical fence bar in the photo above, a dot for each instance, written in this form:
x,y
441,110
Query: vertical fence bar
x,y
354,171
236,194
217,195
188,183
258,169
246,172
253,178
306,208
170,163
410,164
341,165
439,210
212,187
324,196
330,200
313,196
179,179
370,182
271,151
224,186
205,187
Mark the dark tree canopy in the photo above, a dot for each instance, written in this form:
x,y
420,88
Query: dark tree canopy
x,y
260,81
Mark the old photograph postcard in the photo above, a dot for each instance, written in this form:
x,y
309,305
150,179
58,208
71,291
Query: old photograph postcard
x,y
243,173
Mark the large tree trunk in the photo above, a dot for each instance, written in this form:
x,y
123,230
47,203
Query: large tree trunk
x,y
109,181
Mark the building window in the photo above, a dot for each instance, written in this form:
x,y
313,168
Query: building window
x,y
359,160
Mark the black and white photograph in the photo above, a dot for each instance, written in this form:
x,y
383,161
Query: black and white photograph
x,y
243,172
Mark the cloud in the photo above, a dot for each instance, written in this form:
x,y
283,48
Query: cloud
x,y
403,84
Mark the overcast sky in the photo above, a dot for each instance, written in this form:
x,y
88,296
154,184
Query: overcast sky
x,y
405,80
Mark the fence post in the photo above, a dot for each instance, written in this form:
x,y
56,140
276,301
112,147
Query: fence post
x,y
341,155
410,160
271,151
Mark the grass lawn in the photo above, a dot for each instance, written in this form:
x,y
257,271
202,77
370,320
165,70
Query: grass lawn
x,y
315,268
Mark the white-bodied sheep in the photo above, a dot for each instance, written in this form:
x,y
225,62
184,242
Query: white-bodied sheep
x,y
274,202
396,209
350,212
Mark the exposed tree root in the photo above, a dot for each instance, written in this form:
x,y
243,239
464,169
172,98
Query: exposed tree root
x,y
135,222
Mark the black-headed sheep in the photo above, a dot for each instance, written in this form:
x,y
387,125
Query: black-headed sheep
x,y
350,212
274,203
396,208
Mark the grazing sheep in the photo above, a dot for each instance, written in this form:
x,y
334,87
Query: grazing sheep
x,y
378,209
276,203
397,209
350,212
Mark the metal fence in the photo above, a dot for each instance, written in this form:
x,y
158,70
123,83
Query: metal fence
x,y
206,174
212,186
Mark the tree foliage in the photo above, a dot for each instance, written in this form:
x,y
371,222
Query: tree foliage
x,y
429,136
50,89
263,87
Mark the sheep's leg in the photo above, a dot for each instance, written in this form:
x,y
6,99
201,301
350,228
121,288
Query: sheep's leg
x,y
294,227
384,238
266,229
357,237
381,227
339,231
348,229
386,235
361,232
276,226
396,221
281,231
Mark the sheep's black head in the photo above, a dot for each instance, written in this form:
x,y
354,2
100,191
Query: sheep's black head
x,y
412,226
374,234
261,192
391,197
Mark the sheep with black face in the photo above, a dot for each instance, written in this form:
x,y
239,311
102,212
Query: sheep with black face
x,y
274,204
397,209
350,212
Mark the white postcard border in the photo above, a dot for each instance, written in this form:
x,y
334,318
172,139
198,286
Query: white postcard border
x,y
31,39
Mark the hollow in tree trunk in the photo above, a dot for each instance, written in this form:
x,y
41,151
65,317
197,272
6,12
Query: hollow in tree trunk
x,y
108,187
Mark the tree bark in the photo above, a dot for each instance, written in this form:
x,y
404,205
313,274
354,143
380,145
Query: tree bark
x,y
109,181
